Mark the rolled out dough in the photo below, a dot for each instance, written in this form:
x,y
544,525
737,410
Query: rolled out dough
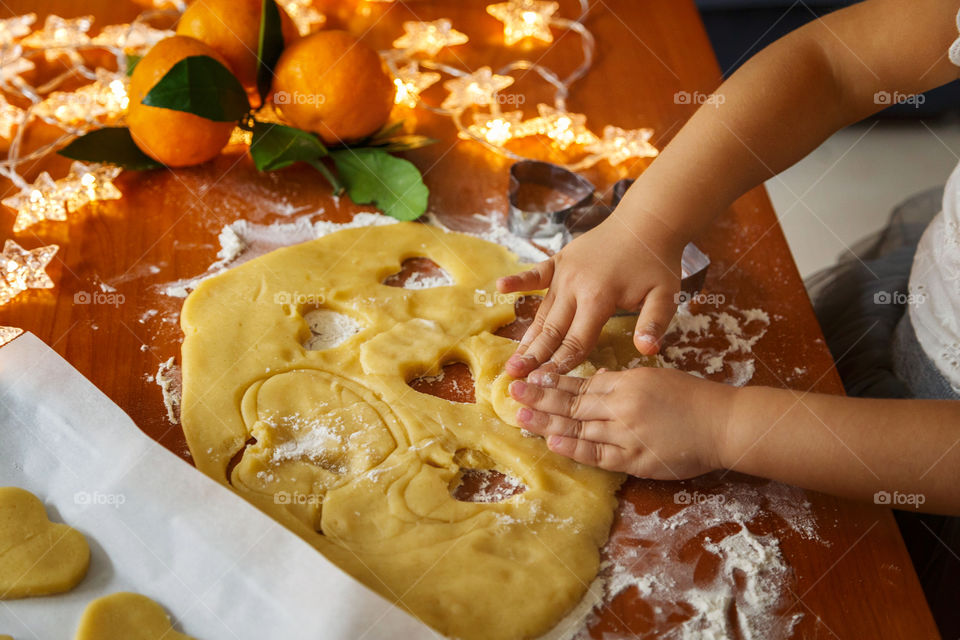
x,y
126,616
37,557
334,444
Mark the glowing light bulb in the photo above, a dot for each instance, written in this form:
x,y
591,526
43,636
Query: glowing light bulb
x,y
477,88
429,37
411,82
524,19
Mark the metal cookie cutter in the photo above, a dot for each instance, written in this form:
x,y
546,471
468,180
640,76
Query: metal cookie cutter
x,y
547,201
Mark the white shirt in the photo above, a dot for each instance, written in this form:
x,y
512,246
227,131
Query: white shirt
x,y
934,301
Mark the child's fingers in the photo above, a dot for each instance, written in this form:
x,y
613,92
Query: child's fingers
x,y
655,316
543,309
547,425
595,454
579,406
537,278
552,330
580,339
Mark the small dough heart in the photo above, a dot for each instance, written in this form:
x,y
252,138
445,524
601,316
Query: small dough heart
x,y
126,616
37,557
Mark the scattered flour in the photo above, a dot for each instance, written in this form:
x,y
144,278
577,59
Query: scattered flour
x,y
420,281
329,329
715,342
169,380
737,587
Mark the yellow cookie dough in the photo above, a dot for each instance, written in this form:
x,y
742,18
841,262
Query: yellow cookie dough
x,y
336,445
126,616
37,557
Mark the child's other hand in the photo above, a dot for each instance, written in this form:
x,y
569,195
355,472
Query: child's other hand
x,y
652,423
612,266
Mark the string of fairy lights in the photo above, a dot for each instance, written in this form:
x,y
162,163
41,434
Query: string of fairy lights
x,y
102,101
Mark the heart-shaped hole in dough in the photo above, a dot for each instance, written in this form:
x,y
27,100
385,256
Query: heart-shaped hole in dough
x,y
419,273
525,310
453,383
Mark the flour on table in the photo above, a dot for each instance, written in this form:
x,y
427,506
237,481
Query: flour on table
x,y
169,380
242,240
741,569
329,329
710,343
420,281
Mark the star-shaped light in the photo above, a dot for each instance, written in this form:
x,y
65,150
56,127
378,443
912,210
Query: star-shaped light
x,y
60,37
21,269
10,116
479,87
99,102
9,333
89,183
37,202
619,145
564,128
13,64
17,27
524,19
137,36
304,15
497,129
410,82
49,199
429,37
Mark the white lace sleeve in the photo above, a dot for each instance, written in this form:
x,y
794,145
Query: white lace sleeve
x,y
955,47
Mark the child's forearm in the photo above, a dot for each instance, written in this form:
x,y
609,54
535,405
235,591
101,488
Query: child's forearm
x,y
787,100
850,447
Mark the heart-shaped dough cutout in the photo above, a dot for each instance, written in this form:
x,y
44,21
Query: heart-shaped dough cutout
x,y
126,616
37,557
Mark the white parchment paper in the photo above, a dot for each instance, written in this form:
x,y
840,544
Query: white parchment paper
x,y
156,526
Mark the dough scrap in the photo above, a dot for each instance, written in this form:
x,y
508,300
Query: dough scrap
x,y
334,443
126,616
37,557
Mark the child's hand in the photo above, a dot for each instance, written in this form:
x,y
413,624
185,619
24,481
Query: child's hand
x,y
652,423
612,266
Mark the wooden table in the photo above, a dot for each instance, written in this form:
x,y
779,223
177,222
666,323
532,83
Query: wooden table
x,y
860,585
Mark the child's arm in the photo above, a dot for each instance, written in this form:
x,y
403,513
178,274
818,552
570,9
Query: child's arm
x,y
774,110
668,425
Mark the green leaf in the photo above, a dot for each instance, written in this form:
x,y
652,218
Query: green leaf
x,y
112,145
275,146
269,46
202,86
393,184
132,61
